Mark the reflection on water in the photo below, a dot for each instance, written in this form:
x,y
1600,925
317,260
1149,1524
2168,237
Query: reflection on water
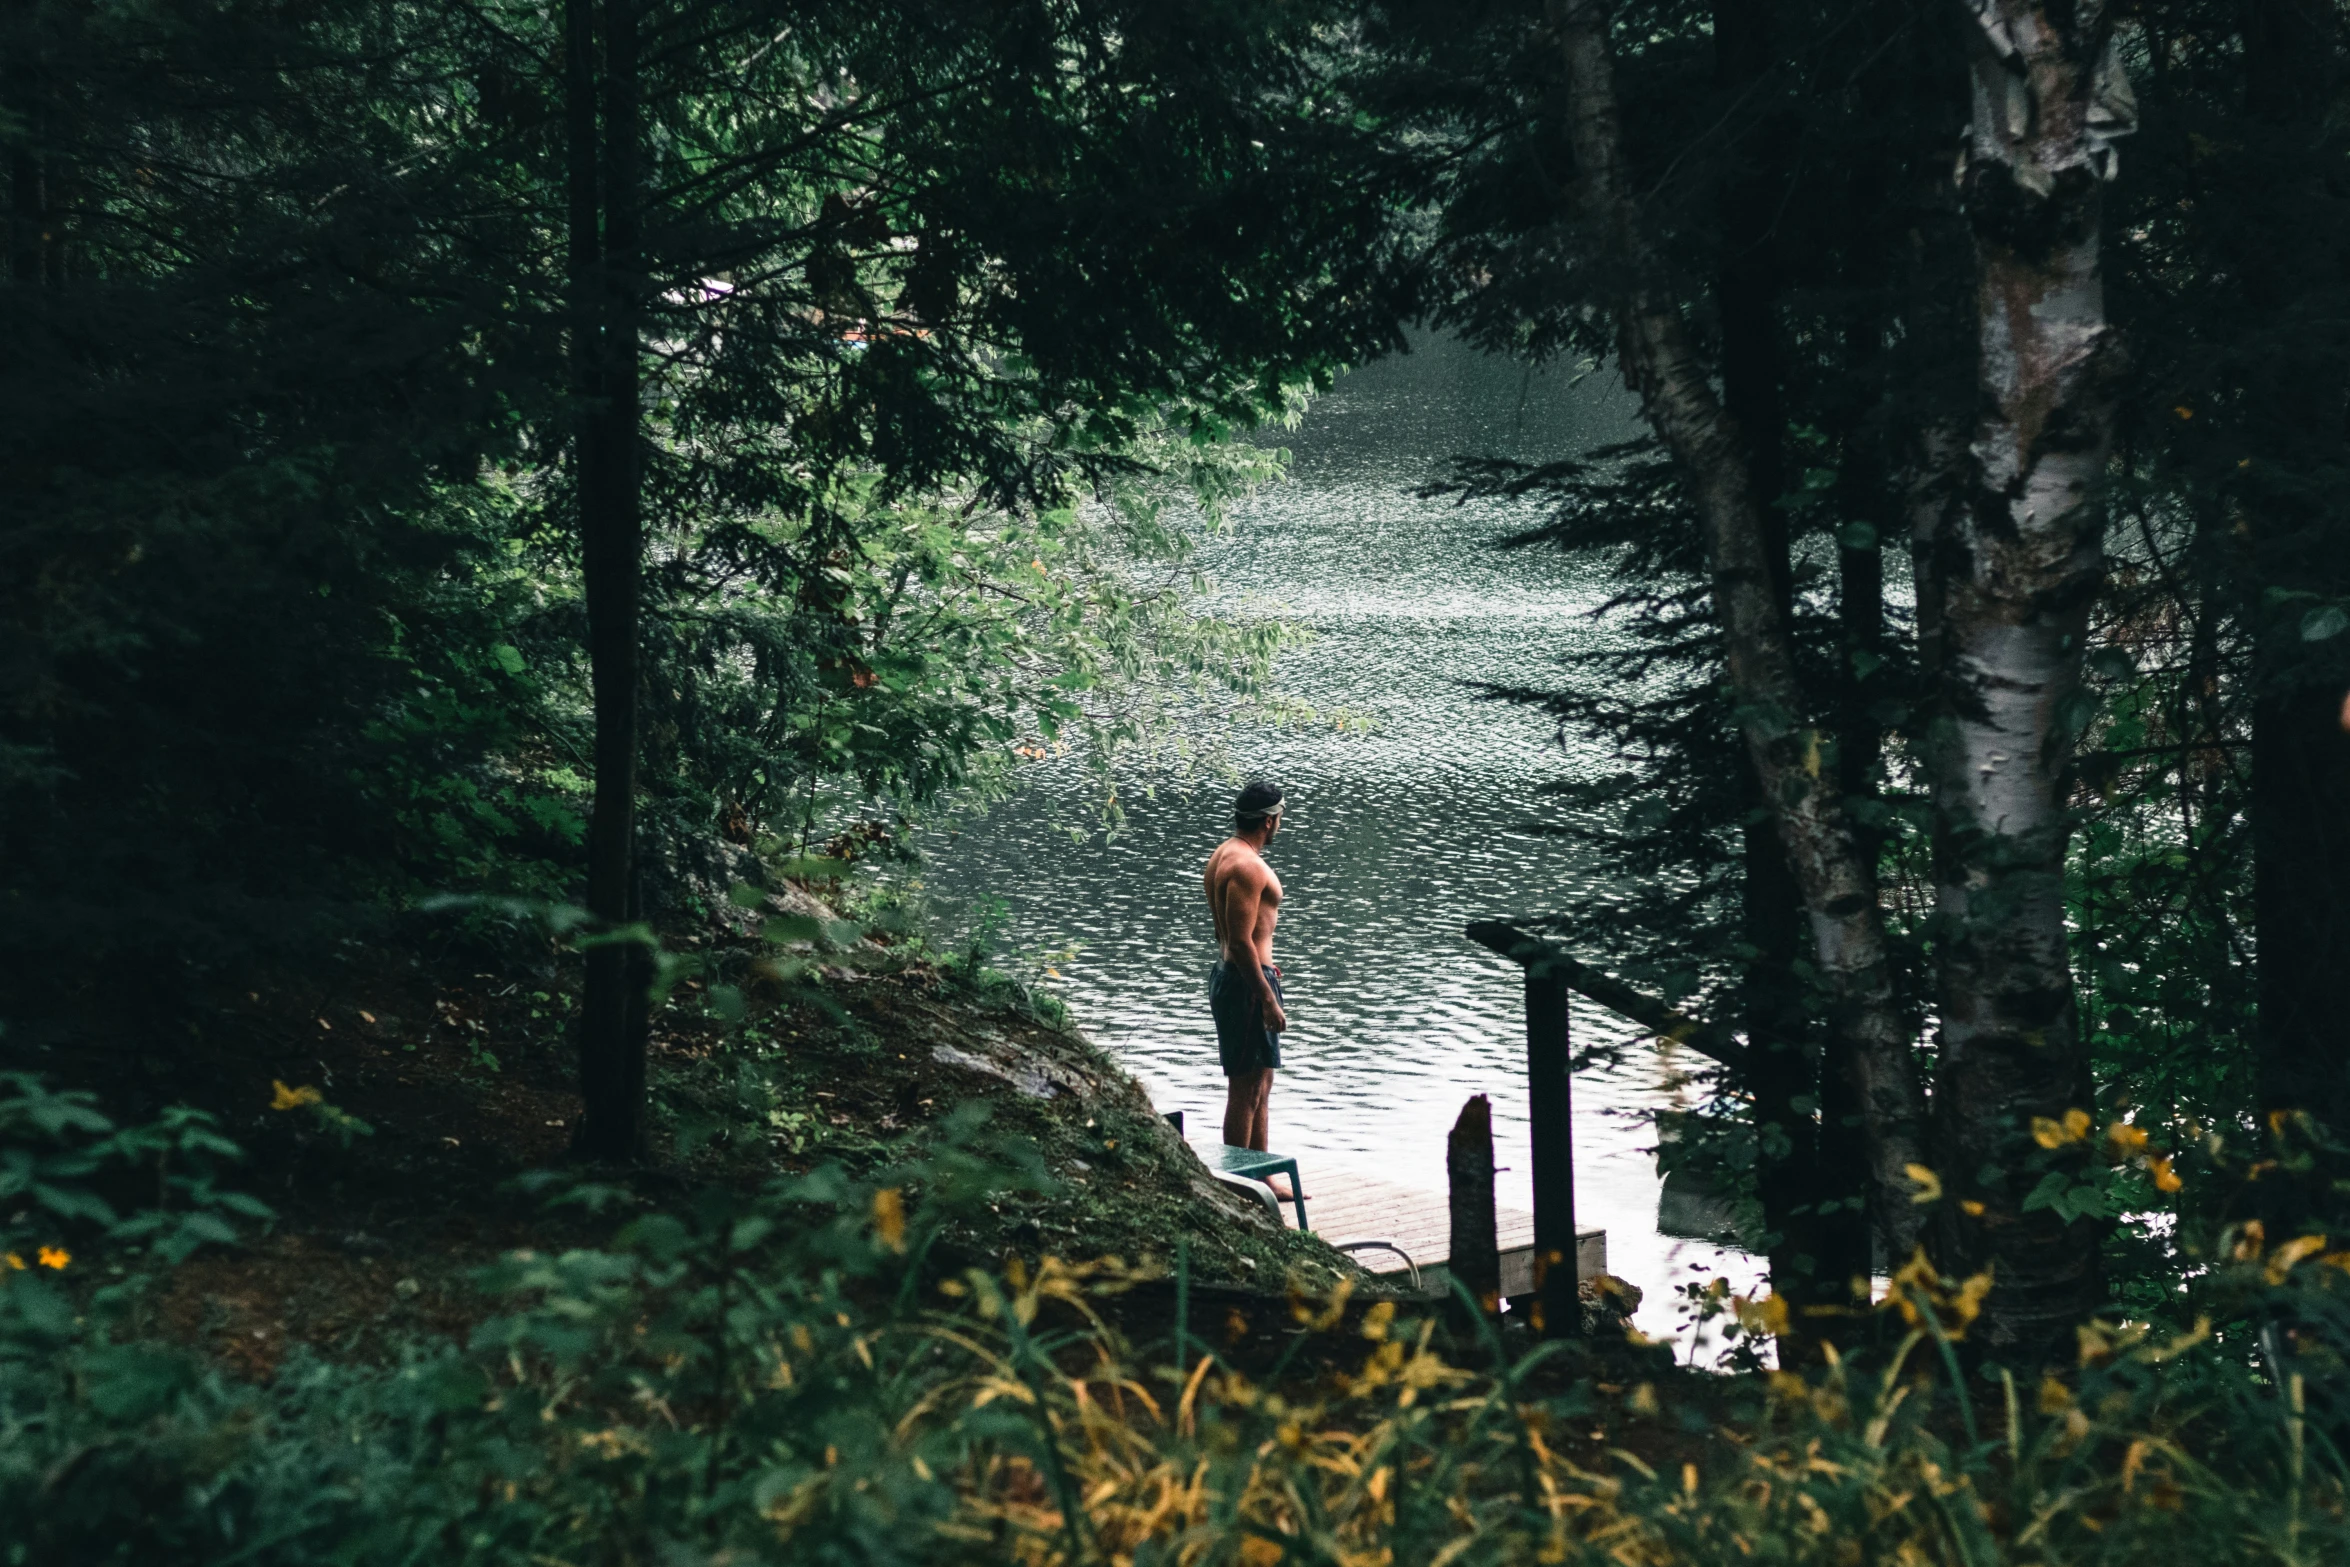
x,y
1394,838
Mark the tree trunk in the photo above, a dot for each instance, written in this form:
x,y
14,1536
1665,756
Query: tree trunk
x,y
2300,803
1809,1263
604,265
2301,865
2017,575
1792,761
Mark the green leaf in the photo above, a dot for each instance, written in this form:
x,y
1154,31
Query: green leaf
x,y
193,1232
41,1307
2067,1199
71,1204
130,1382
745,896
2320,625
455,1387
2048,1192
658,1236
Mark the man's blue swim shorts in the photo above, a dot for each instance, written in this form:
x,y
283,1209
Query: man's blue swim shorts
x,y
1243,1042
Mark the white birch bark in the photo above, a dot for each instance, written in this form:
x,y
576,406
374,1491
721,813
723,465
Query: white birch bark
x,y
2011,584
1792,761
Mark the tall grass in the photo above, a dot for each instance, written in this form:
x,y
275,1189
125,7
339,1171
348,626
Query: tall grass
x,y
794,1375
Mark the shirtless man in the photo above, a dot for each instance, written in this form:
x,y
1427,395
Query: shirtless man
x,y
1244,988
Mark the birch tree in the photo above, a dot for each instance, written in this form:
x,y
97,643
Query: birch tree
x,y
1794,762
2006,582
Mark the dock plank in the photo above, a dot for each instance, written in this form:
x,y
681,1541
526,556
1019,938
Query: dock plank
x,y
1346,1205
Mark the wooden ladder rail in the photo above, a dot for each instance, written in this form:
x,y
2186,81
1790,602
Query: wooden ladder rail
x,y
1550,974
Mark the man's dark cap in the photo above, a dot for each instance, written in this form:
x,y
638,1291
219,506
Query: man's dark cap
x,y
1258,801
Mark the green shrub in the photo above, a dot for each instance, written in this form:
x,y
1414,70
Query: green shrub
x,y
790,1375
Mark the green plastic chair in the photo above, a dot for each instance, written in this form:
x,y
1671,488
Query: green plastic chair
x,y
1256,1164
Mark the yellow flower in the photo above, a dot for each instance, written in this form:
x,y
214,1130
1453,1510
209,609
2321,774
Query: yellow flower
x,y
2165,1179
1768,1315
2126,1139
1968,1302
889,1217
1928,1184
293,1098
54,1257
15,1262
2289,1254
2055,1134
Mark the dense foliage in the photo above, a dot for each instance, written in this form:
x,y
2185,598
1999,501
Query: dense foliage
x,y
773,1377
295,606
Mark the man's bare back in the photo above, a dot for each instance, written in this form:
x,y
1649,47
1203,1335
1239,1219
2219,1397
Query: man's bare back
x,y
1244,898
1244,988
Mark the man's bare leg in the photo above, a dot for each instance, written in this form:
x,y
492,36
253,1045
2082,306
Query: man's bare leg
x,y
1248,1118
1245,1096
1261,1134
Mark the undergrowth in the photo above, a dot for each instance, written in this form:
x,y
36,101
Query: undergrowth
x,y
790,1375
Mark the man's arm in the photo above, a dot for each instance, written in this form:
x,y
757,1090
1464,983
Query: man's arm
x,y
1248,911
1275,1018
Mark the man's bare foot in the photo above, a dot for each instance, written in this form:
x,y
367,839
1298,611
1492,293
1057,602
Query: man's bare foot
x,y
1280,1182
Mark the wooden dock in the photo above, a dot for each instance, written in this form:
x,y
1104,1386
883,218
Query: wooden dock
x,y
1347,1205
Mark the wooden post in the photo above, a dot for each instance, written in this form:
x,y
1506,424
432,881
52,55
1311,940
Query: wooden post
x,y
1550,1099
1475,1258
1550,1105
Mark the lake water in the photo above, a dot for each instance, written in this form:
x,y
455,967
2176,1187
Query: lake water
x,y
1393,838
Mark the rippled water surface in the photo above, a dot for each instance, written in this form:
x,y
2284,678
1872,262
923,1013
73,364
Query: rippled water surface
x,y
1394,838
